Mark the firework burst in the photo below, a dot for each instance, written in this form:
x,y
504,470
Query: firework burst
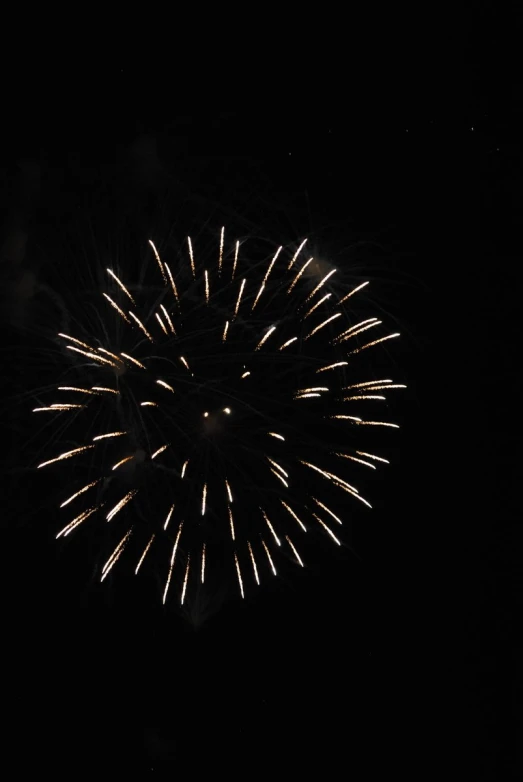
x,y
222,418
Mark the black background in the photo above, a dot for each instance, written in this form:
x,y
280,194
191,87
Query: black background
x,y
406,661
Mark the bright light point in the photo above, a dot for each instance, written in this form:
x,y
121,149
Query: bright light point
x,y
227,410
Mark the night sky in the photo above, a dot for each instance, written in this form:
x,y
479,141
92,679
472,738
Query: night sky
x,y
403,659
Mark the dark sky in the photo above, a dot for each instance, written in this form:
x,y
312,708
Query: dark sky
x,y
405,658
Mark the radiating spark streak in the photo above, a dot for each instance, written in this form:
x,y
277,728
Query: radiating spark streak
x,y
271,563
160,321
206,276
353,332
294,516
204,498
165,385
185,579
237,307
346,418
202,572
342,484
277,474
255,569
322,325
262,288
76,521
327,510
372,456
122,461
278,436
312,390
109,434
220,257
286,344
231,523
168,518
269,268
119,505
329,531
107,390
320,285
113,355
159,451
378,423
140,324
366,383
276,538
295,256
184,467
185,363
160,264
305,396
133,360
168,319
278,467
297,277
245,374
115,556
171,566
314,306
354,459
173,284
367,323
57,408
332,366
77,341
375,342
117,308
265,337
191,257
238,572
80,491
66,455
146,549
148,404
120,283
164,598
173,556
362,396
73,388
229,492
355,290
225,329
293,547
94,356
386,387
235,260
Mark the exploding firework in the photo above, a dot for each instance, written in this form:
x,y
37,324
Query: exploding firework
x,y
218,418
